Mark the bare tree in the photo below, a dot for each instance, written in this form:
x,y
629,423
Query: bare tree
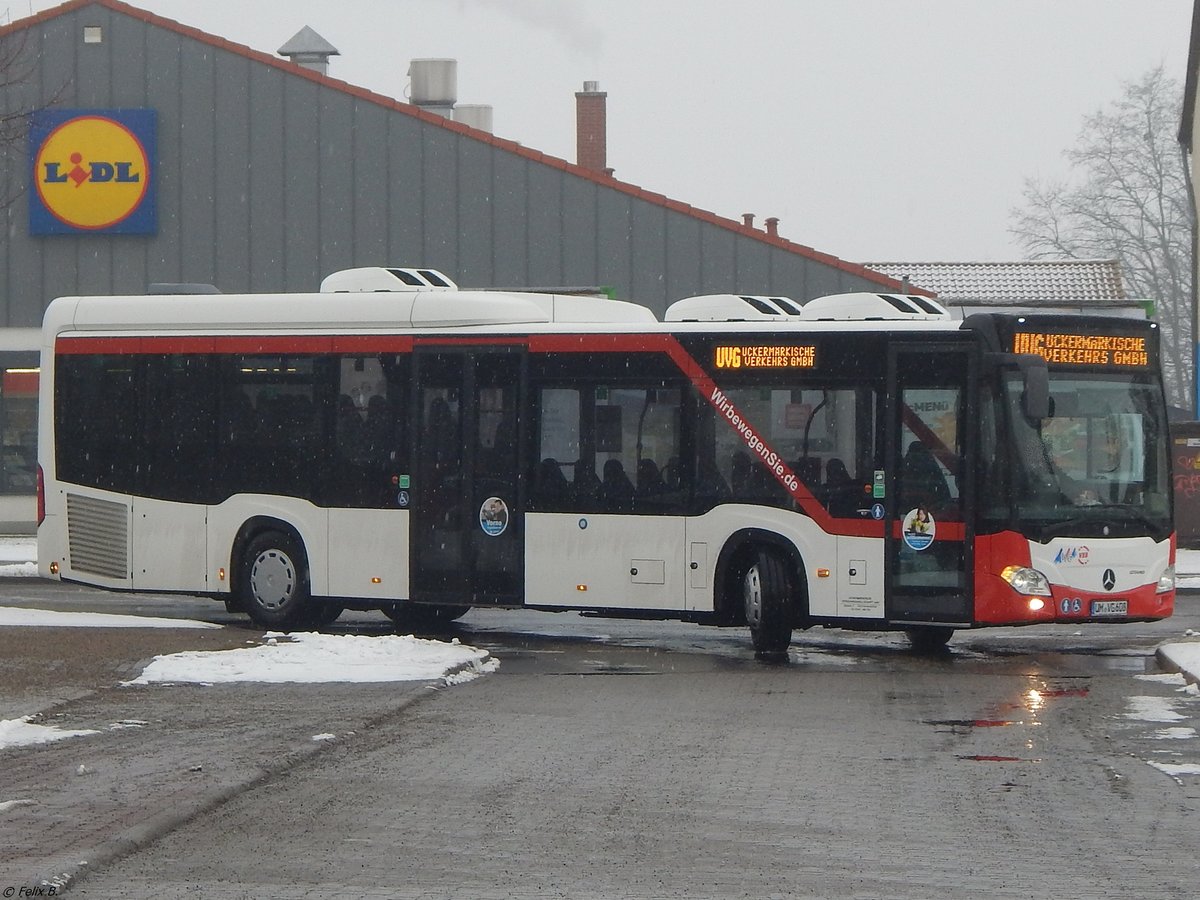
x,y
20,101
1128,201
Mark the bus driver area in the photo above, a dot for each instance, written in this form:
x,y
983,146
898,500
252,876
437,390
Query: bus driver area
x,y
857,461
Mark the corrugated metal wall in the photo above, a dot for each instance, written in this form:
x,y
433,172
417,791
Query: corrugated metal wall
x,y
268,181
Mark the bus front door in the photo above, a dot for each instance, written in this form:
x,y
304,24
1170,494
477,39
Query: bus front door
x,y
929,486
467,525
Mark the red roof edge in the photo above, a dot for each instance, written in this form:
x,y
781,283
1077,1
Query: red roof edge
x,y
510,146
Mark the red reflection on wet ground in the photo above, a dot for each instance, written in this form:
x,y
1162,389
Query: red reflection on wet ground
x,y
979,757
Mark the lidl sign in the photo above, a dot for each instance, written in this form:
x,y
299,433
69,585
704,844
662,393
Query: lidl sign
x,y
93,171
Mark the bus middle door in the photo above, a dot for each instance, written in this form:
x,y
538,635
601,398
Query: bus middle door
x,y
467,534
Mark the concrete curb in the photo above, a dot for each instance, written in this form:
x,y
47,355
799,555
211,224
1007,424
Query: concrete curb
x,y
1174,661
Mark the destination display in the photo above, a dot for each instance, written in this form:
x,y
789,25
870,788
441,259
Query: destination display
x,y
1084,349
760,356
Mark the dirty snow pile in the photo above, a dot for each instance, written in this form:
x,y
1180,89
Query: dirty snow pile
x,y
315,658
289,659
18,557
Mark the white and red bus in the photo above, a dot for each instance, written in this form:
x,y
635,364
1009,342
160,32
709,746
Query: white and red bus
x,y
859,461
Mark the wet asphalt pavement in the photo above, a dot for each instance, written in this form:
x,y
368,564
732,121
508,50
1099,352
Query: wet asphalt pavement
x,y
605,758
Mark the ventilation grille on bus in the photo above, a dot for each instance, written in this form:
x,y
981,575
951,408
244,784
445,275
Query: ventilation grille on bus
x,y
865,306
731,308
98,536
379,278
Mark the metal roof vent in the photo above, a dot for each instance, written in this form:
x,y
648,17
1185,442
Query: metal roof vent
x,y
882,307
476,115
433,85
310,50
732,308
379,278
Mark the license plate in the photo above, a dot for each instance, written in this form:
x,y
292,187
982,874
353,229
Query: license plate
x,y
1110,607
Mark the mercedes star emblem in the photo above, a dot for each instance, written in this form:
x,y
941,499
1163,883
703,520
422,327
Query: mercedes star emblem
x,y
1110,579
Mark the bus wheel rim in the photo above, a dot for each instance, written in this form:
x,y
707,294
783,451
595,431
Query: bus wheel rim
x,y
272,579
754,601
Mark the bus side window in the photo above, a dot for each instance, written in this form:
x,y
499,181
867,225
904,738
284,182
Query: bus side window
x,y
559,477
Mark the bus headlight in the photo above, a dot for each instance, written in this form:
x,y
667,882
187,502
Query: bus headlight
x,y
1166,581
1024,580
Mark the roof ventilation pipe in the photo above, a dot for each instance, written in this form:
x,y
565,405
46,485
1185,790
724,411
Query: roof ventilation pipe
x,y
433,85
474,115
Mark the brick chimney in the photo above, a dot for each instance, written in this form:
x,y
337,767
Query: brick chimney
x,y
591,128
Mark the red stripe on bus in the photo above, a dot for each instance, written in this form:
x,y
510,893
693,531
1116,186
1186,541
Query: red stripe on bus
x,y
373,343
442,340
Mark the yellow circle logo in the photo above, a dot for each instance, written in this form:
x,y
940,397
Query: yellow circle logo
x,y
91,172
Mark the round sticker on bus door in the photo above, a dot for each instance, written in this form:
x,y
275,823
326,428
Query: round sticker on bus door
x,y
919,528
493,516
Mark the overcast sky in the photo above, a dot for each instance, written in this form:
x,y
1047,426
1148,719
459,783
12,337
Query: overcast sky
x,y
876,130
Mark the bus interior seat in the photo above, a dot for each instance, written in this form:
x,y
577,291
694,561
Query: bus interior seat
x,y
616,490
922,481
551,485
844,493
586,485
649,478
710,483
808,470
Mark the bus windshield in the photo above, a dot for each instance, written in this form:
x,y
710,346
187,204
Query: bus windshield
x,y
1097,466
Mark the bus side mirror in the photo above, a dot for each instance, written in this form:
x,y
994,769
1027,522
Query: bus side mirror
x,y
1035,381
1035,399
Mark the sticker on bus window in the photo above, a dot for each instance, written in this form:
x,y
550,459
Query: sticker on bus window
x,y
493,516
919,528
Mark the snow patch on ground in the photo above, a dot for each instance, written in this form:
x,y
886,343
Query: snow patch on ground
x,y
320,658
1167,678
1175,770
23,733
45,618
1152,709
1180,733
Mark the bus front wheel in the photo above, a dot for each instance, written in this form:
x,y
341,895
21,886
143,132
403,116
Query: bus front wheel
x,y
274,582
767,600
929,638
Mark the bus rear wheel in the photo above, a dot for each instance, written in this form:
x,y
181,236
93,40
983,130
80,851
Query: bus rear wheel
x,y
423,617
768,606
274,582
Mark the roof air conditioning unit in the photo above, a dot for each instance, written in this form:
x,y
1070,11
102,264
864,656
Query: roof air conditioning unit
x,y
866,306
732,308
379,278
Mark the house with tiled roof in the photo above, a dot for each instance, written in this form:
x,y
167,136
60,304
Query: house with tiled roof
x,y
1045,285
